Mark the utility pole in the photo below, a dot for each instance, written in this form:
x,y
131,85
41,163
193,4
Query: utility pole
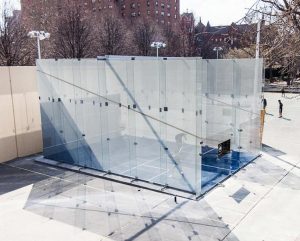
x,y
158,45
258,39
217,49
39,48
39,35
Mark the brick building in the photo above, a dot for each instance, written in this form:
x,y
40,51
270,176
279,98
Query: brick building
x,y
164,12
227,37
188,22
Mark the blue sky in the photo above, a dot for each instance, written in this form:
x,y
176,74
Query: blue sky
x,y
218,12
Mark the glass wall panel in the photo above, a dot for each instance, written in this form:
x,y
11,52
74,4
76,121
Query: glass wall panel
x,y
250,71
45,90
117,92
103,116
69,131
149,161
183,123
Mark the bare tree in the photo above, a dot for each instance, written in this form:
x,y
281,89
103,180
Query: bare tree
x,y
287,11
280,42
113,36
14,43
171,37
144,34
74,35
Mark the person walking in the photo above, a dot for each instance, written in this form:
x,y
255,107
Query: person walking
x,y
280,108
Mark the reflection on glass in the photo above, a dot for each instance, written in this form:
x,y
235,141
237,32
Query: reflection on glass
x,y
161,121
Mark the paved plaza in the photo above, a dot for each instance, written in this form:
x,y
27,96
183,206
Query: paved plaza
x,y
261,202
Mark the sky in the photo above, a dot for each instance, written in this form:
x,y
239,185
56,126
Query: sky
x,y
217,12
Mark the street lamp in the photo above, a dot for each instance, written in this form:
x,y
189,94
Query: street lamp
x,y
40,35
218,49
158,45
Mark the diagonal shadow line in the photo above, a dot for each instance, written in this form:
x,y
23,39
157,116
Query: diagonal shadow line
x,y
286,162
161,142
271,151
142,114
269,114
287,119
124,106
289,163
148,227
127,214
163,217
71,124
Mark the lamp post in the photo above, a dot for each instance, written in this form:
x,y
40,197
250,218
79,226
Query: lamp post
x,y
39,35
158,45
217,49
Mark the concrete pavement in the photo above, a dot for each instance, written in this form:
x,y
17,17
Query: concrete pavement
x,y
261,202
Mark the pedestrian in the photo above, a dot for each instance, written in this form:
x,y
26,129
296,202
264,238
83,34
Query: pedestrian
x,y
264,103
280,108
282,92
177,154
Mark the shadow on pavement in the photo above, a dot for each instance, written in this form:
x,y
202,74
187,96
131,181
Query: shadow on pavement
x,y
110,209
284,118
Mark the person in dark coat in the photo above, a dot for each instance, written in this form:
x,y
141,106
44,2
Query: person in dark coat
x,y
280,108
264,103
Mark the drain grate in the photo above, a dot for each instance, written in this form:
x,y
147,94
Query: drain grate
x,y
240,194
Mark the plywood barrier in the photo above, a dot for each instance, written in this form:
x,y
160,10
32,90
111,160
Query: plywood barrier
x,y
20,126
8,146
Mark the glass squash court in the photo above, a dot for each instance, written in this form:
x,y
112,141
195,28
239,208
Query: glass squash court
x,y
183,123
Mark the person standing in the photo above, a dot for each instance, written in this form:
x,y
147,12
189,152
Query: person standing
x,y
264,103
280,108
282,92
177,159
